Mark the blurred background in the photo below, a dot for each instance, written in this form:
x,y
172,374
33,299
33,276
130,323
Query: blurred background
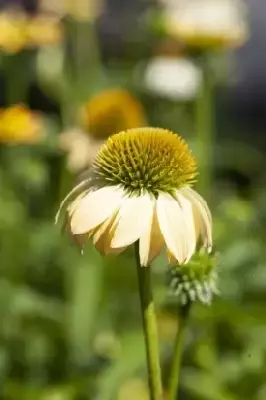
x,y
72,72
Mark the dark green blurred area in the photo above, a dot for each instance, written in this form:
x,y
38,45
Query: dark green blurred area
x,y
70,326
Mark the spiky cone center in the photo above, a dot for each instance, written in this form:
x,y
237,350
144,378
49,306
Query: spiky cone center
x,y
151,160
196,280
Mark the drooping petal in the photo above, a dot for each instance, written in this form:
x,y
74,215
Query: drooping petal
x,y
202,217
101,232
172,226
191,236
151,242
75,203
133,219
95,208
102,237
76,189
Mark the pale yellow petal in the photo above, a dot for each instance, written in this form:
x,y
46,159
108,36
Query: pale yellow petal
x,y
152,241
75,203
132,220
102,237
100,233
95,208
188,214
202,217
80,186
172,226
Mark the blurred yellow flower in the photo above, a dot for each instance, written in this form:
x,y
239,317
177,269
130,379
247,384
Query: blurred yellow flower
x,y
139,190
207,23
19,125
43,30
107,112
81,148
112,111
13,31
19,31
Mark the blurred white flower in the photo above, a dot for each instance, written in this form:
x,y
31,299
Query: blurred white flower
x,y
173,78
207,23
81,148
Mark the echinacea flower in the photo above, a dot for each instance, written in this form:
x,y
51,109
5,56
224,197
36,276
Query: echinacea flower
x,y
112,111
175,78
195,281
207,23
19,125
139,189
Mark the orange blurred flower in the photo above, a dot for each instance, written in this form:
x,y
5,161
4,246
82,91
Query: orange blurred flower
x,y
112,111
19,125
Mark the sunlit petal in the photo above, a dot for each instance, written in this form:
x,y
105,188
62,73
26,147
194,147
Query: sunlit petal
x,y
76,189
191,237
202,216
172,226
132,220
152,241
95,208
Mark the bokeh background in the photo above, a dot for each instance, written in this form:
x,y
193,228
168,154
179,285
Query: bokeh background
x,y
72,73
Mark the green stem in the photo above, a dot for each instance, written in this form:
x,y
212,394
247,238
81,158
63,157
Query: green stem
x,y
17,70
176,363
150,329
205,128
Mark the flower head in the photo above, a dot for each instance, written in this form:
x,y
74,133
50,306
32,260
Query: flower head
x,y
112,111
195,281
139,190
207,23
19,125
176,78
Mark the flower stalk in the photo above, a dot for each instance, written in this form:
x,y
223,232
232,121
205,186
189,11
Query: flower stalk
x,y
149,328
178,351
205,127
